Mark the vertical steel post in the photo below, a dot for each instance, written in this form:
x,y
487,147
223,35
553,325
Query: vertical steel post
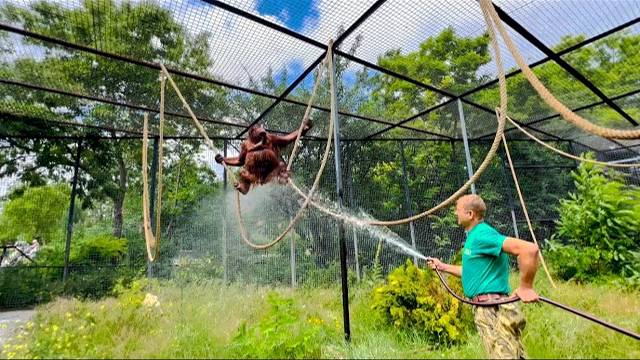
x,y
292,261
343,246
225,273
572,151
407,199
72,205
355,233
511,202
465,140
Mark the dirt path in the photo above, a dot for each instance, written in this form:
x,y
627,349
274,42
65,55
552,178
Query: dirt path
x,y
10,321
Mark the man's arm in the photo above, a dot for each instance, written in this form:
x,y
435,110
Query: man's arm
x,y
527,254
448,268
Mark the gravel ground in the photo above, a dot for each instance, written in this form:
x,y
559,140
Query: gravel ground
x,y
10,321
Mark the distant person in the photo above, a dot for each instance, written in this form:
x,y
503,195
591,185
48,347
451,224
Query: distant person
x,y
485,277
32,250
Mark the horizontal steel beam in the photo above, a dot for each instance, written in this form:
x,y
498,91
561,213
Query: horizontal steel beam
x,y
550,117
130,60
559,53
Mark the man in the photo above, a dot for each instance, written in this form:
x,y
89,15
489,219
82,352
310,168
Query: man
x,y
485,277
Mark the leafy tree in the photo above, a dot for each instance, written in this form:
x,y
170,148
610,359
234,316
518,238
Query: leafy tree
x,y
108,168
607,63
432,169
38,213
446,61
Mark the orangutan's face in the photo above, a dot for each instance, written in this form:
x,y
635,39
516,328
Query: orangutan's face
x,y
257,134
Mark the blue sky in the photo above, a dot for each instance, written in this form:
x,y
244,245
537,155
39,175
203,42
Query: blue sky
x,y
293,13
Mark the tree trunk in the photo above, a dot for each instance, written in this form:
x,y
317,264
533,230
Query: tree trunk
x,y
118,202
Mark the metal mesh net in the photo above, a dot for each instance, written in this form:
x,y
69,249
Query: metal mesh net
x,y
237,64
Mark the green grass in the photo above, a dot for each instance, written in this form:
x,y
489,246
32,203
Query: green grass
x,y
201,320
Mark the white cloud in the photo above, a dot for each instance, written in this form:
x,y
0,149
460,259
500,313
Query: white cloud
x,y
241,48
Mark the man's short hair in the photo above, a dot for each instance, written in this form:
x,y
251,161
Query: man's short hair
x,y
474,203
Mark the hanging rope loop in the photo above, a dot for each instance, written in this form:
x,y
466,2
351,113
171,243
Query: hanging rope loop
x,y
152,240
305,119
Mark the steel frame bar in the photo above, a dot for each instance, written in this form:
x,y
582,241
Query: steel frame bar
x,y
181,73
516,26
504,16
559,53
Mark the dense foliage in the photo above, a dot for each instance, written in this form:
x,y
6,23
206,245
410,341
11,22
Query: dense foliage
x,y
37,213
599,228
375,172
412,299
280,334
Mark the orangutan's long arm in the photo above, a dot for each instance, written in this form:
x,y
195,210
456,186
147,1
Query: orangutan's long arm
x,y
238,160
284,140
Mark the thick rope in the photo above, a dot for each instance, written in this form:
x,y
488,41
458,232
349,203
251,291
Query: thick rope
x,y
208,141
569,155
525,211
316,181
547,96
483,166
196,122
543,299
160,182
152,240
488,158
305,119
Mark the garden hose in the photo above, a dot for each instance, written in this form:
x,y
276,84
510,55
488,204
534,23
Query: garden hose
x,y
515,298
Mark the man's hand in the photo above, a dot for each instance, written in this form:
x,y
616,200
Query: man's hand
x,y
527,295
219,159
435,264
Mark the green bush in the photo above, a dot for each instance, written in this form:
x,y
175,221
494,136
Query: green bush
x,y
96,282
94,268
93,249
21,286
188,270
413,300
280,334
102,248
27,285
599,227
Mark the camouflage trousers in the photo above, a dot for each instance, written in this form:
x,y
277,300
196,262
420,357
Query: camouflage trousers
x,y
500,328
